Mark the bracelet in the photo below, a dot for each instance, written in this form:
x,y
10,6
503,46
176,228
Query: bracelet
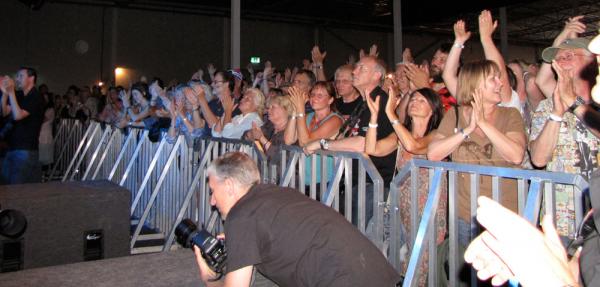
x,y
318,66
375,125
464,135
196,109
293,117
459,45
395,122
555,118
300,115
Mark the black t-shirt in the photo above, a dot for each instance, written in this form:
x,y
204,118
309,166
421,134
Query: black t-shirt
x,y
25,133
385,165
346,109
296,241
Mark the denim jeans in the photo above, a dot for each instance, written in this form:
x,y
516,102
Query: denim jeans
x,y
368,201
21,166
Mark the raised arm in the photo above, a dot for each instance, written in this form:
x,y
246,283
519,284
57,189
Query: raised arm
x,y
486,28
8,88
228,108
404,136
545,77
267,72
317,63
450,73
326,130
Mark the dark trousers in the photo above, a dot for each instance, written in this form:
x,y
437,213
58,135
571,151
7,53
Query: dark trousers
x,y
21,166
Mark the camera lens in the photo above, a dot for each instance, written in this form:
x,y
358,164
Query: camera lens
x,y
183,232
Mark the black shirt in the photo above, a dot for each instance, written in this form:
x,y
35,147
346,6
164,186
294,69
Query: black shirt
x,y
385,165
346,109
296,241
25,133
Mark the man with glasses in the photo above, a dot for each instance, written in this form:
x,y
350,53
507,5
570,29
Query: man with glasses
x,y
348,97
561,138
366,78
22,102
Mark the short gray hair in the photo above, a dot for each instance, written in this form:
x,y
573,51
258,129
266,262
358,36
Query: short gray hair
x,y
238,166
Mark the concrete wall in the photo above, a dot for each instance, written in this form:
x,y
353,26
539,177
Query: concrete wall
x,y
81,45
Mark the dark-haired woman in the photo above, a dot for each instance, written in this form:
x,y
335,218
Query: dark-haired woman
x,y
411,139
141,110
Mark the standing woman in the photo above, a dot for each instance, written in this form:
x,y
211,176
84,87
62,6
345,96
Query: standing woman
x,y
411,139
322,123
484,134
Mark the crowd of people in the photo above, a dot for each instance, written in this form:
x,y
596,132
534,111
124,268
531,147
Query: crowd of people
x,y
491,111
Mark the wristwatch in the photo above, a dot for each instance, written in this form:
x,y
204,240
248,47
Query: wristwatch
x,y
578,102
324,144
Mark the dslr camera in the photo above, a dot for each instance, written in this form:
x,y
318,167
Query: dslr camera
x,y
213,250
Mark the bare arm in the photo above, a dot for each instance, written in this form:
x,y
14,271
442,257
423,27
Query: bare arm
x,y
518,71
545,77
8,90
486,29
317,59
442,146
327,130
450,73
290,136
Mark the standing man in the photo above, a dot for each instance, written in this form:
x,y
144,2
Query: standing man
x,y
290,238
24,105
367,77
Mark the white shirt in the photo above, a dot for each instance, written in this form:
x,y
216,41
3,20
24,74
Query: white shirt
x,y
238,125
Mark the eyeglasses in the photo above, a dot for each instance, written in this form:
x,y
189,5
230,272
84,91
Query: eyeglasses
x,y
568,57
343,81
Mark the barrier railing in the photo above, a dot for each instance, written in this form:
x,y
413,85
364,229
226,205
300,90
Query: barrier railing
x,y
529,204
69,134
168,182
335,166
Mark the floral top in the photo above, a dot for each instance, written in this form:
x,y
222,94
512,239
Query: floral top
x,y
576,149
576,152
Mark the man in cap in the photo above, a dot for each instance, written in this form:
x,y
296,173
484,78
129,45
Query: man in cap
x,y
561,138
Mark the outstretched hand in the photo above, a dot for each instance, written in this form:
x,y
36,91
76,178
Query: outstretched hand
x,y
317,55
486,24
535,258
573,27
461,35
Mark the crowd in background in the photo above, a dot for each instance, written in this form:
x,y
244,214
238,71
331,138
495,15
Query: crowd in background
x,y
493,111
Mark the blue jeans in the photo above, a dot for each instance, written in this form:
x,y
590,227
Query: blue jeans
x,y
21,166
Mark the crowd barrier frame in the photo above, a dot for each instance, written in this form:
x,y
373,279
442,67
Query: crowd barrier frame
x,y
530,200
168,182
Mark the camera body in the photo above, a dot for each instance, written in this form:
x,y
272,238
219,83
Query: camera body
x,y
213,250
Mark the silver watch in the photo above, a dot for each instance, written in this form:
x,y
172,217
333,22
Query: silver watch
x,y
324,144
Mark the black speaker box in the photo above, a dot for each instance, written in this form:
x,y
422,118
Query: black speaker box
x,y
67,222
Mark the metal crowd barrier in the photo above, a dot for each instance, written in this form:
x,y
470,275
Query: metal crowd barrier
x,y
529,202
69,134
293,175
169,182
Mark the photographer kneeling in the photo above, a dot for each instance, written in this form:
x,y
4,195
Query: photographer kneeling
x,y
291,239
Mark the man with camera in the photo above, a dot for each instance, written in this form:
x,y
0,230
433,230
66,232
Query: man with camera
x,y
22,102
289,238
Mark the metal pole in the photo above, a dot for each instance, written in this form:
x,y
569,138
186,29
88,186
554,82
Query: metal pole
x,y
235,33
503,33
397,7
